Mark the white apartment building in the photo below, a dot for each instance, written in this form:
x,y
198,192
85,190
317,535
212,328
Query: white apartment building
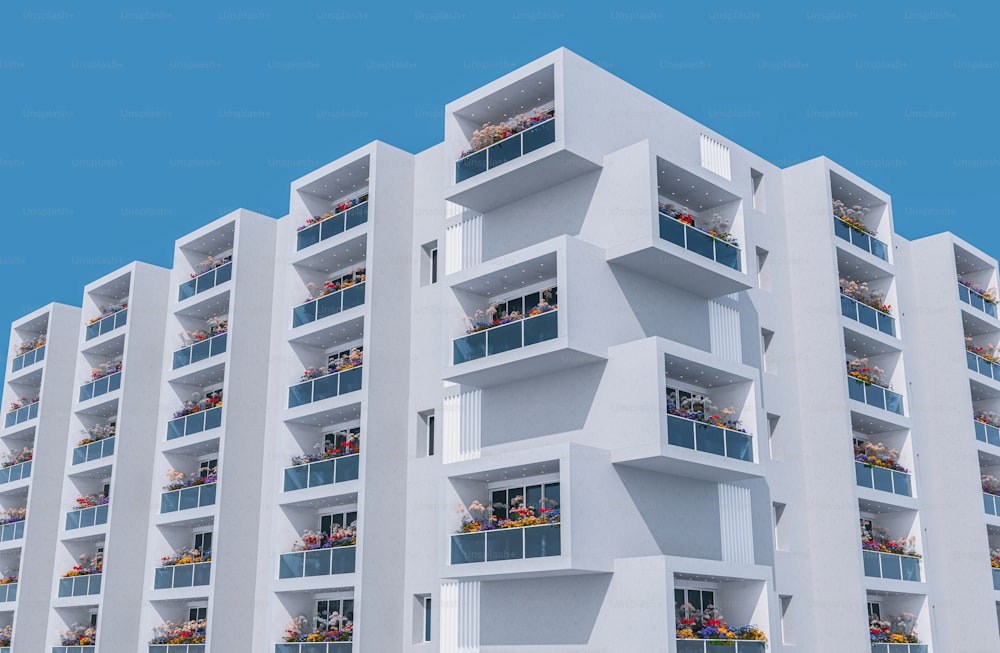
x,y
598,380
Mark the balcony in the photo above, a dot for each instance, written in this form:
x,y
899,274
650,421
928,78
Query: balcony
x,y
690,434
198,496
325,387
101,386
983,365
996,578
94,450
93,516
176,648
21,414
36,355
200,350
700,242
317,647
196,422
496,340
506,544
991,503
541,134
74,649
861,239
874,395
206,281
327,305
712,646
332,225
107,324
15,472
322,472
884,479
899,648
977,298
317,562
8,593
80,585
196,574
891,565
867,315
12,531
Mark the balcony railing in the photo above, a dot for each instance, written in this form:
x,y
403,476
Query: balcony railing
x,y
996,578
881,478
93,516
199,351
74,649
979,364
36,355
203,420
176,648
690,434
713,646
335,224
867,315
325,387
94,451
695,240
322,472
875,395
976,300
496,340
319,647
13,531
22,414
891,565
190,497
870,244
991,503
506,150
899,648
506,544
205,281
328,305
318,562
8,593
15,472
80,585
196,574
101,386
107,324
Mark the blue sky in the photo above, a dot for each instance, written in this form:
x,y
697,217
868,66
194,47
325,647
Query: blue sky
x,y
123,128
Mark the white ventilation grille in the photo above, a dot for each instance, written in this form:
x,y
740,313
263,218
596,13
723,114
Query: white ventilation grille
x,y
724,329
736,524
715,157
462,426
464,244
459,617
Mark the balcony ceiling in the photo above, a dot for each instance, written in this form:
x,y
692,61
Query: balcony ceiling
x,y
529,470
982,391
336,334
203,378
698,374
858,345
34,326
347,181
115,290
214,306
348,254
856,268
33,379
511,278
852,194
686,189
976,323
333,416
102,409
532,91
966,263
881,507
870,425
348,500
215,242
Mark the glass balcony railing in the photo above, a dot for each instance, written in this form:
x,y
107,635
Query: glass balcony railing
x,y
318,562
328,305
205,281
496,340
867,315
8,593
891,565
198,496
697,241
15,472
330,227
176,648
80,585
13,531
506,544
713,645
74,649
991,503
22,414
107,324
690,434
875,395
986,433
996,578
322,472
101,386
93,516
899,648
506,150
324,387
203,420
320,647
36,355
199,351
869,243
94,451
196,574
979,364
884,479
977,300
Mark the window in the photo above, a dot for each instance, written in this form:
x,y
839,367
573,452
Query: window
x,y
426,430
697,599
197,612
874,610
429,263
757,186
207,467
684,399
786,620
535,497
427,618
780,527
342,519
93,619
342,358
203,541
867,530
344,440
106,489
523,304
334,613
430,439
